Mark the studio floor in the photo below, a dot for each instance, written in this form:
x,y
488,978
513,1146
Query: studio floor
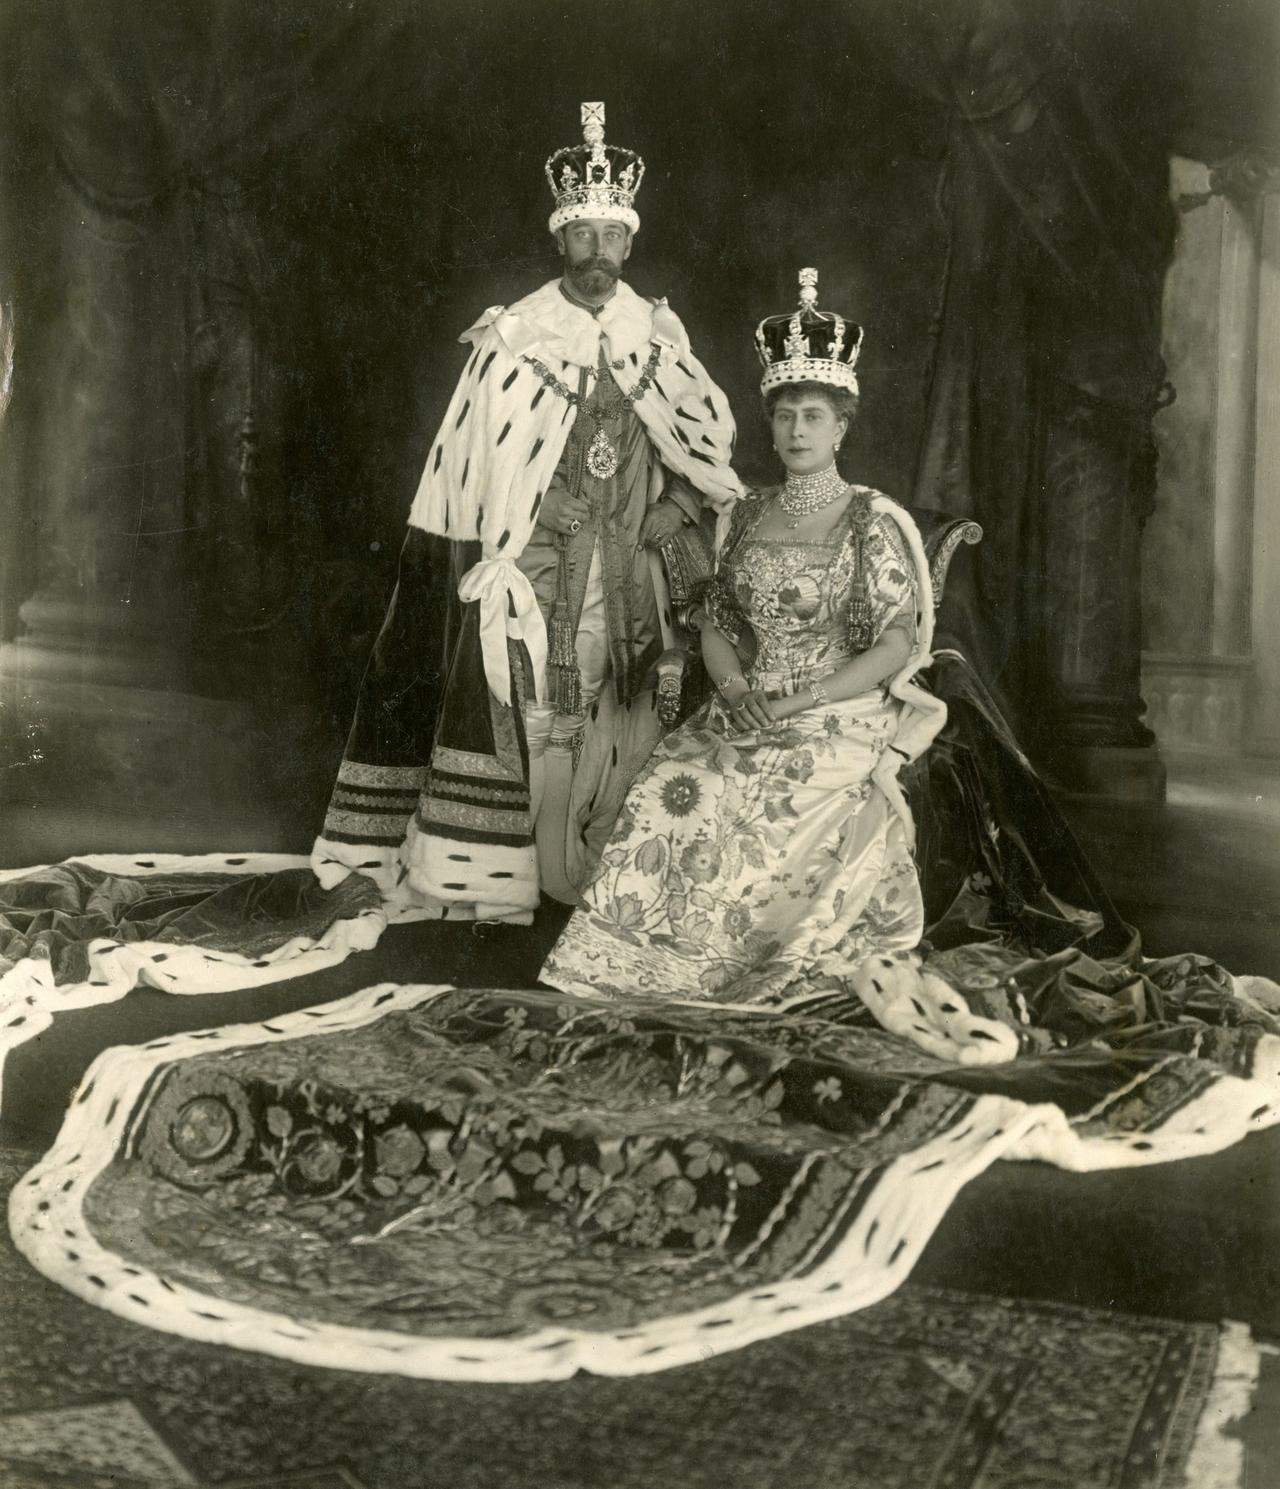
x,y
1184,1246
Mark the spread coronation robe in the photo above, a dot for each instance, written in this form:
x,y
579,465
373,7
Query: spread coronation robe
x,y
432,800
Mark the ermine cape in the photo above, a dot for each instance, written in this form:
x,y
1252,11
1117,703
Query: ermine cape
x,y
432,797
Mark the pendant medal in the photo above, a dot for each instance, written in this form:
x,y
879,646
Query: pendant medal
x,y
602,458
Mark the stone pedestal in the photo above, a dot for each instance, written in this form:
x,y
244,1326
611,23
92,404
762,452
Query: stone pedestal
x,y
1135,775
1197,703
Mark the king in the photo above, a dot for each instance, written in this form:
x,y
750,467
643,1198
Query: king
x,y
510,697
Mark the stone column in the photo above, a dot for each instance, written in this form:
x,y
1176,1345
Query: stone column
x,y
232,494
1233,437
1263,703
1207,581
1097,460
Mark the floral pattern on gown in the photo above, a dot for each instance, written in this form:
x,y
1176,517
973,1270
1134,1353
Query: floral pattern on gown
x,y
741,864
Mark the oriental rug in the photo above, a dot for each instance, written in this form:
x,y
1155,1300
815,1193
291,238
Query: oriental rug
x,y
517,1186
930,1387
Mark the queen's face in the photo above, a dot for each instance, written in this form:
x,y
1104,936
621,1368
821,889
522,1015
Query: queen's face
x,y
806,431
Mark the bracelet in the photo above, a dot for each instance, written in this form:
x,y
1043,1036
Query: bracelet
x,y
723,682
818,693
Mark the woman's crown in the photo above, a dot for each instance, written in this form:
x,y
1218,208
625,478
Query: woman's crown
x,y
808,345
594,179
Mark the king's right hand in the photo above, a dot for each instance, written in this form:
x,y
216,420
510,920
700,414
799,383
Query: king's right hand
x,y
562,512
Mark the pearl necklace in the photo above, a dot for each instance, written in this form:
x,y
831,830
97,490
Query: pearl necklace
x,y
803,495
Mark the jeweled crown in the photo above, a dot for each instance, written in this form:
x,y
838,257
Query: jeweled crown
x,y
808,345
594,179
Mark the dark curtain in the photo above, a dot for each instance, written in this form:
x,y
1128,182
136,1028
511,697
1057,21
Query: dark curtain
x,y
145,115
1047,369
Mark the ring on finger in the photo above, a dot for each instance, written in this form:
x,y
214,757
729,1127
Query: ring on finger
x,y
575,526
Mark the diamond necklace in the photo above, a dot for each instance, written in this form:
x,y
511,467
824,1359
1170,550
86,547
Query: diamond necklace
x,y
803,495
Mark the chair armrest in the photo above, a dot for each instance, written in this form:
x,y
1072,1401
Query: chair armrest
x,y
940,549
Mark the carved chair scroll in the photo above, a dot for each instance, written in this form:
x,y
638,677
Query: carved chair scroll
x,y
942,535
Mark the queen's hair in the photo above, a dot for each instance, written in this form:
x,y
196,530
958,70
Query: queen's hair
x,y
844,403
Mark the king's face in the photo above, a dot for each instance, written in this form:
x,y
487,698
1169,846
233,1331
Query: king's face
x,y
593,239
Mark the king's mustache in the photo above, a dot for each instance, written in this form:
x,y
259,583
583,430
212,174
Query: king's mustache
x,y
598,265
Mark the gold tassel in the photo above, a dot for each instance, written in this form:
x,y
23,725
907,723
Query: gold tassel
x,y
563,656
568,690
860,624
563,652
562,641
860,610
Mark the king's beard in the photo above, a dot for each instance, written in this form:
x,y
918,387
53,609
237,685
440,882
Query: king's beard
x,y
593,278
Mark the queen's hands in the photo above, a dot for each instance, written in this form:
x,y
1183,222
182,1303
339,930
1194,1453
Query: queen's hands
x,y
749,708
752,708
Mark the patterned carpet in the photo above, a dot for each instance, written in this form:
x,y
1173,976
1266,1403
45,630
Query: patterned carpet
x,y
932,1387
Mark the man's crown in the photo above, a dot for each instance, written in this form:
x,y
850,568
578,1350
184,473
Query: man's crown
x,y
594,179
808,345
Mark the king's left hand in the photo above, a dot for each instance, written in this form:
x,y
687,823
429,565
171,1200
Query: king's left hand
x,y
661,524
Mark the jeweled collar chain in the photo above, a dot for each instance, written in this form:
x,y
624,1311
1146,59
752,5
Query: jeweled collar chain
x,y
802,495
602,456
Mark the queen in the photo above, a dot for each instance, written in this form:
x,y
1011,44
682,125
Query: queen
x,y
768,843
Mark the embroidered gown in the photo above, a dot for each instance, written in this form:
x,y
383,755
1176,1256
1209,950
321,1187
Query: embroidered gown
x,y
741,863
